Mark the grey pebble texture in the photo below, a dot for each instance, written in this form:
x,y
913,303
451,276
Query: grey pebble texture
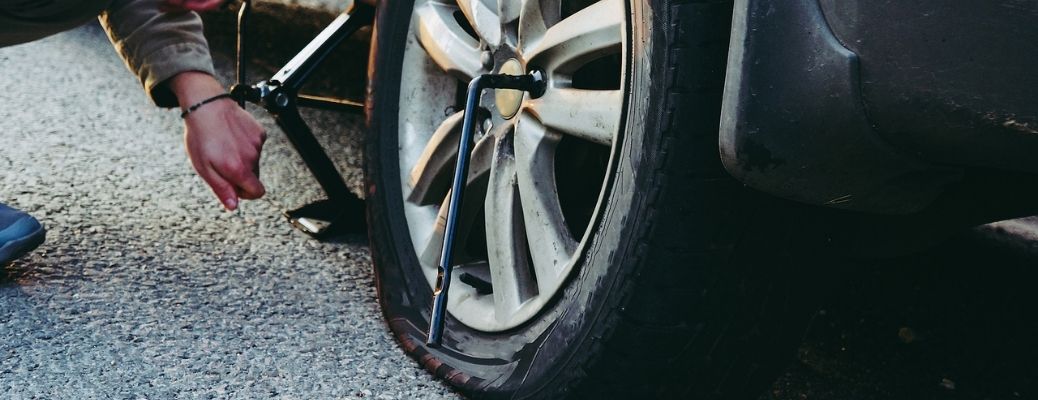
x,y
145,288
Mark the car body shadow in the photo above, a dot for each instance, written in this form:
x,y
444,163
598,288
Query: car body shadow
x,y
954,322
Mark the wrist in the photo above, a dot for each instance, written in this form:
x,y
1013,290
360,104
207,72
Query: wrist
x,y
192,87
194,107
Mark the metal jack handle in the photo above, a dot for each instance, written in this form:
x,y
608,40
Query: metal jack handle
x,y
535,84
280,96
243,56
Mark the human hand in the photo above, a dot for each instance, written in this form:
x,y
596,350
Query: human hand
x,y
223,141
191,5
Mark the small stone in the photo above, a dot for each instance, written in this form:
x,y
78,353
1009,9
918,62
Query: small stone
x,y
947,384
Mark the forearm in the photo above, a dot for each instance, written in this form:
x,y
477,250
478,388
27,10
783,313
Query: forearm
x,y
157,45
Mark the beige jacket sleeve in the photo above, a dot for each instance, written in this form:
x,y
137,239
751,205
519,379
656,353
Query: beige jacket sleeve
x,y
157,45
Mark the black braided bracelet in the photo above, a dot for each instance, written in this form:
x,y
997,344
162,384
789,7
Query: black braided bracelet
x,y
192,109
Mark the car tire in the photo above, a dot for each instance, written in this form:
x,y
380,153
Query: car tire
x,y
691,286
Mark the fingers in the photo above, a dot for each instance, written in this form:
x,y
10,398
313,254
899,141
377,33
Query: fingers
x,y
231,182
250,187
246,175
243,175
224,190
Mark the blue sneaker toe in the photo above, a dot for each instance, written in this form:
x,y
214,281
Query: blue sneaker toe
x,y
20,233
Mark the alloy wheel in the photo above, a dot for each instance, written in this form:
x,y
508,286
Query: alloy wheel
x,y
539,168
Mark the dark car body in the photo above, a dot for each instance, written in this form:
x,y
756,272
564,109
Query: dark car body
x,y
888,107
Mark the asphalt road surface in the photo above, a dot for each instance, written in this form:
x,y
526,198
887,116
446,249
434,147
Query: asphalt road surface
x,y
146,289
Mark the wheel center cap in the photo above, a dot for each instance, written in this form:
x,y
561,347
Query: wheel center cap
x,y
509,101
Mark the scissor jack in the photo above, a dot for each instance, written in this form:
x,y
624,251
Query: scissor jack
x,y
279,95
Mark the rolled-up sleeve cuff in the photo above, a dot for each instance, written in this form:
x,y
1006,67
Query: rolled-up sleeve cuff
x,y
168,61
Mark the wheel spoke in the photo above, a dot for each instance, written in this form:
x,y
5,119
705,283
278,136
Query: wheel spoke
x,y
588,34
431,177
480,161
534,19
592,115
484,18
509,10
551,245
506,240
446,42
430,255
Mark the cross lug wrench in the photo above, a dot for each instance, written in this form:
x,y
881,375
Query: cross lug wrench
x,y
533,83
